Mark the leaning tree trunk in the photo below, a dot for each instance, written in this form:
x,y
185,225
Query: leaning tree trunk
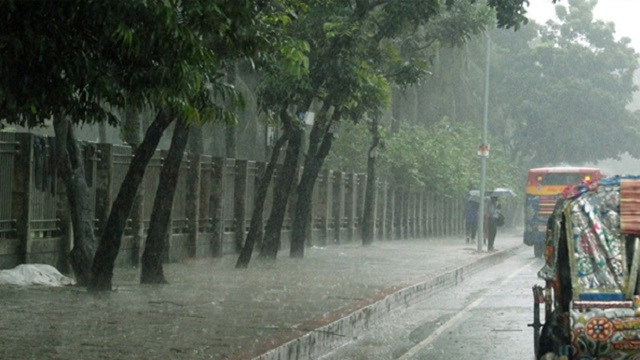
x,y
131,134
369,193
103,262
71,169
320,141
281,192
255,228
159,224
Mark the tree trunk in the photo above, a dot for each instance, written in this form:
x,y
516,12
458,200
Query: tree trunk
x,y
255,228
160,222
281,192
71,169
368,224
131,134
320,141
103,262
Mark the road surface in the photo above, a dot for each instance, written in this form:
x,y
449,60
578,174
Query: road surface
x,y
484,318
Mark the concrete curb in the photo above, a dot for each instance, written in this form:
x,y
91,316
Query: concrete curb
x,y
318,337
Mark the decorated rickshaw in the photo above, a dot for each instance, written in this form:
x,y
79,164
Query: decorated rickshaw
x,y
592,254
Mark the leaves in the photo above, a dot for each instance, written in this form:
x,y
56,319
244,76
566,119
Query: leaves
x,y
76,58
564,94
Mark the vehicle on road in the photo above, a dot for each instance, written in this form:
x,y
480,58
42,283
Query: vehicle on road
x,y
544,186
591,295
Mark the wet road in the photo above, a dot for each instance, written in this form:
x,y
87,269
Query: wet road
x,y
485,317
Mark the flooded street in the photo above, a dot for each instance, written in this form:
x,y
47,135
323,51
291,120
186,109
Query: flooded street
x,y
211,310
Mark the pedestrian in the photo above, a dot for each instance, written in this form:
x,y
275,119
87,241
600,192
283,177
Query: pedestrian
x,y
471,219
493,214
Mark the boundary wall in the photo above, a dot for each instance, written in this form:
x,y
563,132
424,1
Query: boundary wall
x,y
211,211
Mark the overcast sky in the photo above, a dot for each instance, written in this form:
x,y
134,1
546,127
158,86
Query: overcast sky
x,y
623,13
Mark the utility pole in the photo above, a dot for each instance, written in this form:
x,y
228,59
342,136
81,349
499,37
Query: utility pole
x,y
483,151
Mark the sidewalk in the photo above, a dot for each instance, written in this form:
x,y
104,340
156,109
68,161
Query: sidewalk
x,y
293,309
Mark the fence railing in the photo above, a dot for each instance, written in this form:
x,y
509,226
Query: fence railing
x,y
212,206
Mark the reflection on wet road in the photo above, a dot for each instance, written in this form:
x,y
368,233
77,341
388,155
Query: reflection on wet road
x,y
485,317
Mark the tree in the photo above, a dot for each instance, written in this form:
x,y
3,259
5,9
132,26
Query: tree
x,y
105,55
131,134
71,169
281,193
151,271
368,222
564,86
255,232
449,28
347,63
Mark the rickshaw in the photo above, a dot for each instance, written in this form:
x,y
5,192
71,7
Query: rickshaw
x,y
592,255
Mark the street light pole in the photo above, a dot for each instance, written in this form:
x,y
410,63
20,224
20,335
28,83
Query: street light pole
x,y
484,145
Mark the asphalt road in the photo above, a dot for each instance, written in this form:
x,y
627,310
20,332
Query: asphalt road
x,y
484,318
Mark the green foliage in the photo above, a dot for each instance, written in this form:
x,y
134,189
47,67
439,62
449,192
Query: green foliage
x,y
510,14
441,157
349,150
77,58
358,49
562,96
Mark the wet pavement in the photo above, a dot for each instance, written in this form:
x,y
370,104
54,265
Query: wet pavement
x,y
293,308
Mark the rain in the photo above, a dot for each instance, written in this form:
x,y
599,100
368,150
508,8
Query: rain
x,y
319,179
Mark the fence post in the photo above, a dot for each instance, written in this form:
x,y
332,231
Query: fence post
x,y
402,214
22,194
361,186
459,218
438,213
324,197
337,204
393,215
193,202
217,206
414,214
104,176
239,202
382,213
330,213
408,215
420,218
351,204
9,249
406,209
430,215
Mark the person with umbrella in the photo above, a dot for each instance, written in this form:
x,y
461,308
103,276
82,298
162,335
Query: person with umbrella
x,y
494,216
471,215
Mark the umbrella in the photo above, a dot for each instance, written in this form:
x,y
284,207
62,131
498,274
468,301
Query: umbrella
x,y
502,192
473,195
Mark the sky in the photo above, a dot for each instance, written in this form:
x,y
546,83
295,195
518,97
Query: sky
x,y
623,13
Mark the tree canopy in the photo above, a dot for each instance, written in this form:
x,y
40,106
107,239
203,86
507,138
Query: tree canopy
x,y
562,89
73,57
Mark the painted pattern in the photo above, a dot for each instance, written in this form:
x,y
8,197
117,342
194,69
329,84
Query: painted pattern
x,y
603,324
612,333
598,256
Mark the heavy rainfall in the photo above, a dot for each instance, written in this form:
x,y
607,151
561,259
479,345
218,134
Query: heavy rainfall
x,y
303,179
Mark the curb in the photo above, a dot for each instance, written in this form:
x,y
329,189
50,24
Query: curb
x,y
317,337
